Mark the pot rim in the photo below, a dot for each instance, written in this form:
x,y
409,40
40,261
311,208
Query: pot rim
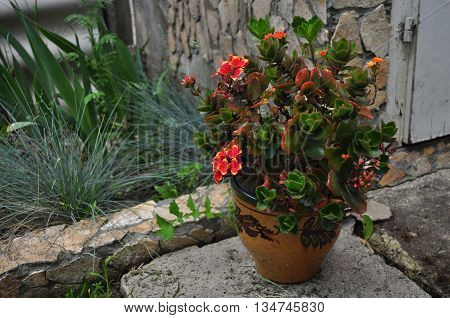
x,y
250,199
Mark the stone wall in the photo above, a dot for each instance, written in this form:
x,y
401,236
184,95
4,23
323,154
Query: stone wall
x,y
193,36
47,262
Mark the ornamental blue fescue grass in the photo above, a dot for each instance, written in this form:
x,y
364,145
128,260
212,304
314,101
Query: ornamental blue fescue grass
x,y
85,134
50,175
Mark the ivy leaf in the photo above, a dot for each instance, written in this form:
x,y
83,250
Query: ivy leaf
x,y
367,226
287,224
175,210
165,231
191,205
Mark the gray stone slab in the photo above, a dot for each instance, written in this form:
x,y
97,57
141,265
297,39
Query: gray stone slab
x,y
225,269
421,226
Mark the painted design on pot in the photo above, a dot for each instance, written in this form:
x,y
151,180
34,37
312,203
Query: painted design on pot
x,y
314,235
251,226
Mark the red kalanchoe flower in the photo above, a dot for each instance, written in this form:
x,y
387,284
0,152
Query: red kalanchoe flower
x,y
276,35
217,176
222,167
345,157
188,81
233,152
232,68
323,53
235,166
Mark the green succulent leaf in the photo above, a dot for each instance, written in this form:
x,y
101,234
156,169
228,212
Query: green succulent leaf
x,y
300,187
342,109
359,78
263,136
341,52
388,131
311,122
367,141
307,29
259,27
330,215
367,224
265,197
287,224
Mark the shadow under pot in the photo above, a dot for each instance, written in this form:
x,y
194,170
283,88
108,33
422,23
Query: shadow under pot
x,y
281,257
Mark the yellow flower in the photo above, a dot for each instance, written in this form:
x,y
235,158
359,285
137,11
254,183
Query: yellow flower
x,y
371,64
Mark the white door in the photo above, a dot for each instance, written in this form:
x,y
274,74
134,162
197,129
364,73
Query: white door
x,y
419,82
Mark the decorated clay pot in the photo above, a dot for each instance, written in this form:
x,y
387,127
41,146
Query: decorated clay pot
x,y
281,257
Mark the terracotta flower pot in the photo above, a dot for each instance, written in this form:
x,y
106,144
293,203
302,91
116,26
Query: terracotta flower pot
x,y
281,257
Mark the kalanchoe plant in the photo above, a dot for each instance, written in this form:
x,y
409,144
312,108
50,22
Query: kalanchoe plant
x,y
293,127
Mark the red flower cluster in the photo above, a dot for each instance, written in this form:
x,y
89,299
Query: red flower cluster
x,y
276,35
232,68
227,160
366,173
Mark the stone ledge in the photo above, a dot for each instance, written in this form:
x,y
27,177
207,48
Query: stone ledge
x,y
46,262
225,269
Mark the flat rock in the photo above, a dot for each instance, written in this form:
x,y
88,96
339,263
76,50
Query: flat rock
x,y
420,225
378,211
225,269
341,4
348,28
376,31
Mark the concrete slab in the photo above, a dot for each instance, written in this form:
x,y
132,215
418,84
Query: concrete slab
x,y
421,226
225,269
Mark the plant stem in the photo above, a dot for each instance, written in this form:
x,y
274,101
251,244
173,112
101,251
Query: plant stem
x,y
311,49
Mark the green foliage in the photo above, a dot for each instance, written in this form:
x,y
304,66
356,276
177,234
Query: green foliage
x,y
388,131
367,141
166,227
99,289
367,226
265,198
331,214
166,230
272,50
87,134
259,27
167,190
288,224
343,110
307,29
359,78
341,52
301,188
313,134
81,88
302,134
55,177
